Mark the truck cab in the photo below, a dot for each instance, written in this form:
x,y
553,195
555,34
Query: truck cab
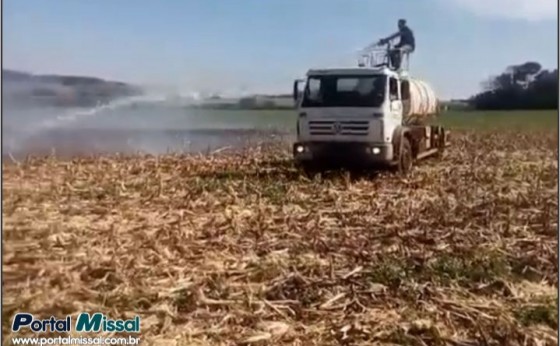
x,y
362,117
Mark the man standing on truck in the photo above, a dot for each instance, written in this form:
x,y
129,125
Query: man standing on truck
x,y
405,46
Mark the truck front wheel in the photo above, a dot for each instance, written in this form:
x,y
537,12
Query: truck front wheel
x,y
310,169
405,157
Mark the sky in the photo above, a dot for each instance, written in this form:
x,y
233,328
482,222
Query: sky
x,y
263,45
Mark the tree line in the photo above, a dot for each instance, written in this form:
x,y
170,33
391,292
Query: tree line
x,y
524,86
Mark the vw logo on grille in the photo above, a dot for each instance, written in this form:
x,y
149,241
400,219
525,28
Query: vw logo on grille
x,y
337,127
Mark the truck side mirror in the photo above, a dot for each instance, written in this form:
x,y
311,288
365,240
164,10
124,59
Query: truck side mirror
x,y
296,92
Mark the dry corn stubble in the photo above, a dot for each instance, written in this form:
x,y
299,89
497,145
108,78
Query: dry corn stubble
x,y
241,249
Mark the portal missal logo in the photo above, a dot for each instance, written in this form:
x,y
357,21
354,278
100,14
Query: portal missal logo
x,y
97,322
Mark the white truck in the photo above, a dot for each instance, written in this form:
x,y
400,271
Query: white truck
x,y
366,116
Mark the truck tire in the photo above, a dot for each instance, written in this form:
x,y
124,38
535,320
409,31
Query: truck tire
x,y
441,142
310,170
405,158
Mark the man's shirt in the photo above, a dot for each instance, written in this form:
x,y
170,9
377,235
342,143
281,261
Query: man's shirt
x,y
407,37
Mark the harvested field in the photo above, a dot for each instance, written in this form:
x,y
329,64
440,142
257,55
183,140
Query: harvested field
x,y
242,249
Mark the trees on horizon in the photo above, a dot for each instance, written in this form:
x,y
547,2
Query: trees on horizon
x,y
524,86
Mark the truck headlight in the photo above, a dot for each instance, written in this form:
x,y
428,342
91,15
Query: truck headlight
x,y
375,150
300,149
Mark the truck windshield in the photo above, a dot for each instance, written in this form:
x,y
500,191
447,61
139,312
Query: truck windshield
x,y
344,91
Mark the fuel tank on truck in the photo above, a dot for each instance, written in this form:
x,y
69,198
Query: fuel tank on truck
x,y
422,101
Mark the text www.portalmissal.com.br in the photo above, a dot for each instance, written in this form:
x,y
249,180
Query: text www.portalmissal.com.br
x,y
76,341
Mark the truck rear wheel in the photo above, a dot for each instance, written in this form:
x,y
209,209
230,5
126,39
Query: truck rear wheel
x,y
405,157
441,139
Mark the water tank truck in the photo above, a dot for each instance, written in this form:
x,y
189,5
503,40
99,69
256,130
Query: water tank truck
x,y
371,115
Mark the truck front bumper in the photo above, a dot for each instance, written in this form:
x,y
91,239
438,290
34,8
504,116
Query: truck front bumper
x,y
344,153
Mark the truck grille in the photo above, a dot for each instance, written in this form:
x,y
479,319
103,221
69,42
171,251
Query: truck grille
x,y
347,127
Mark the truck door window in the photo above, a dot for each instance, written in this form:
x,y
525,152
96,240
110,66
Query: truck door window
x,y
405,93
393,89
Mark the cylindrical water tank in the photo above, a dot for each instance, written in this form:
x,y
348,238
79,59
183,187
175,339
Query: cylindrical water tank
x,y
422,101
